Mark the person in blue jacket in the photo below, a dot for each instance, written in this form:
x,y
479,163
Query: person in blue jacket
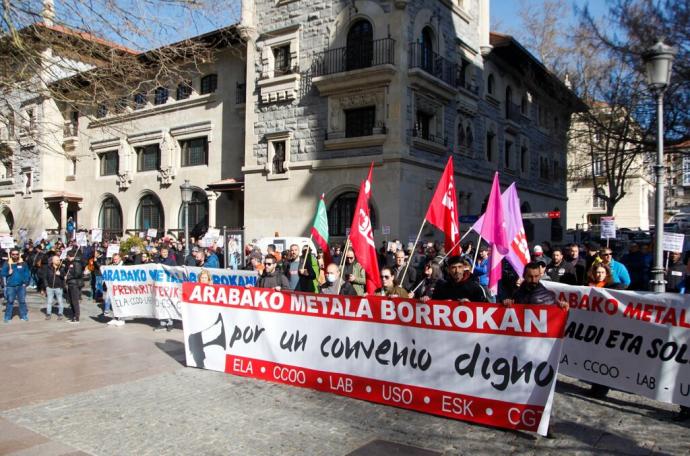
x,y
619,273
17,276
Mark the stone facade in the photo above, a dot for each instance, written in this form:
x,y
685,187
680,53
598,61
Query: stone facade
x,y
424,75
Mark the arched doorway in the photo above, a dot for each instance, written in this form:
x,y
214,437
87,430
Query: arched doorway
x,y
360,42
110,218
341,211
6,220
427,50
150,214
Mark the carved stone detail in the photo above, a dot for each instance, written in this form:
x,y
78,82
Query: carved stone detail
x,y
124,180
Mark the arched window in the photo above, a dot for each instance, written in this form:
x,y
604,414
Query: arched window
x,y
509,100
427,50
6,220
360,45
490,84
198,212
110,218
461,135
150,214
341,212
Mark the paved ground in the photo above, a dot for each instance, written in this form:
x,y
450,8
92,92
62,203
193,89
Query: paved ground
x,y
101,390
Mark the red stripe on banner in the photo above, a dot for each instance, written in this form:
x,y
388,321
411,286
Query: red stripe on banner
x,y
451,405
516,320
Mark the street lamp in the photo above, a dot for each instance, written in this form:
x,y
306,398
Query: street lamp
x,y
659,60
186,191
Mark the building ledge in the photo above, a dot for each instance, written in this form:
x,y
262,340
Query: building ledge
x,y
375,76
422,80
354,143
429,146
174,105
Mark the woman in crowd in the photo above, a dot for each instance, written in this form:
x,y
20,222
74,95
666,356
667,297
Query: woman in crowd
x,y
432,276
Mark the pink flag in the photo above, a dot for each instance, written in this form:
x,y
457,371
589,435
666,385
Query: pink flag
x,y
493,231
518,253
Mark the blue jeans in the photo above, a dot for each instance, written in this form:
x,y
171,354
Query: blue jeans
x,y
20,294
53,294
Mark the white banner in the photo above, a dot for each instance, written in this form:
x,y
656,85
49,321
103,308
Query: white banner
x,y
155,290
476,362
632,341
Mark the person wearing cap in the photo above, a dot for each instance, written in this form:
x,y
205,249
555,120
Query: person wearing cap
x,y
74,279
619,273
538,255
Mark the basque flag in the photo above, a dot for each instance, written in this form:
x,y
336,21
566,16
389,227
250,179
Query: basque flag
x,y
319,230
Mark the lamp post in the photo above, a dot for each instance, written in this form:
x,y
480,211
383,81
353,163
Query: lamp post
x,y
659,60
186,191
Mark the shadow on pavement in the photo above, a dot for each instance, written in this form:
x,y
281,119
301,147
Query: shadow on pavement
x,y
174,349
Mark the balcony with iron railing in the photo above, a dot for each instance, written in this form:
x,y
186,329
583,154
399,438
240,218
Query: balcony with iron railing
x,y
433,64
355,65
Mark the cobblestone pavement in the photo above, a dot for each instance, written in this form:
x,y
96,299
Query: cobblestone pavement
x,y
101,390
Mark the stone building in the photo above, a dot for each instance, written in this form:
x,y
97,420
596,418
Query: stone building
x,y
330,87
678,179
337,85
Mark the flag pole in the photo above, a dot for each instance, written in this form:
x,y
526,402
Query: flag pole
x,y
306,255
457,244
342,265
476,251
409,260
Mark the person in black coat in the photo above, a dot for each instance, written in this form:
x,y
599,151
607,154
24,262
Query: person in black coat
x,y
75,281
461,286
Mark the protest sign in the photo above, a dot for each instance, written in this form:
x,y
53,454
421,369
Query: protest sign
x,y
154,290
96,235
673,242
6,242
112,250
81,238
632,341
151,232
386,230
608,228
477,362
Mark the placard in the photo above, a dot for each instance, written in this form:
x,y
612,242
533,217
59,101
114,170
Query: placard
x,y
673,242
6,242
385,229
608,228
96,235
151,232
112,250
80,237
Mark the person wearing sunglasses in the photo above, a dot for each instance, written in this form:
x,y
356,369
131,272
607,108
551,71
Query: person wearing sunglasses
x,y
619,273
354,273
17,276
271,277
390,287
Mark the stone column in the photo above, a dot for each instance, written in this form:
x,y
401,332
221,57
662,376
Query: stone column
x,y
212,197
63,219
484,27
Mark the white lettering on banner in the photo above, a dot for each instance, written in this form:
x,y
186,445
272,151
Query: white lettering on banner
x,y
499,370
155,290
634,341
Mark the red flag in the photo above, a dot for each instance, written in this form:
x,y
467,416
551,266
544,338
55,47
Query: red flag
x,y
443,210
362,236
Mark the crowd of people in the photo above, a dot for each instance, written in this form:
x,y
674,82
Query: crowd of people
x,y
58,271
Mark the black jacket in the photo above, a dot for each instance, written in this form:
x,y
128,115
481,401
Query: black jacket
x,y
272,280
563,273
74,273
51,279
467,289
536,295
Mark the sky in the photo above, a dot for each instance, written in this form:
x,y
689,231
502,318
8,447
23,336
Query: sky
x,y
505,17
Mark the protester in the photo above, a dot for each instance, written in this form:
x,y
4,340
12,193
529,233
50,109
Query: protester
x,y
461,286
600,277
74,274
211,260
55,284
560,270
432,277
410,279
17,277
271,277
390,287
116,260
635,263
538,255
334,285
204,277
164,257
481,267
675,274
577,262
532,291
619,273
354,273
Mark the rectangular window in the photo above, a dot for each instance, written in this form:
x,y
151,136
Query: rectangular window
x,y
598,202
109,163
184,90
360,121
490,138
160,96
194,151
28,182
281,59
686,171
148,158
508,155
209,84
423,125
523,159
139,100
102,111
598,166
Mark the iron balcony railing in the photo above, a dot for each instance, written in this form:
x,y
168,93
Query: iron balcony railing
x,y
420,133
513,112
432,63
353,57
